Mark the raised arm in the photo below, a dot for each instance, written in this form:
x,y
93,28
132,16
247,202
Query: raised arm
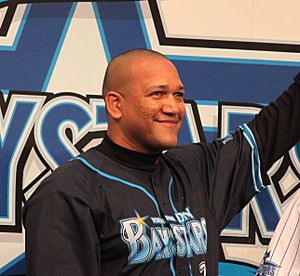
x,y
277,127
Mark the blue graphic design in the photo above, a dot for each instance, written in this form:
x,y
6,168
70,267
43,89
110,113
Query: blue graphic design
x,y
15,44
55,117
15,267
9,142
59,46
228,269
26,67
120,29
202,81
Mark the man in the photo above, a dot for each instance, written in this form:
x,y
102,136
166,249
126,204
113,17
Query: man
x,y
124,207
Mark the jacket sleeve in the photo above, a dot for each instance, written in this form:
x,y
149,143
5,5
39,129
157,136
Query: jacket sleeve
x,y
277,126
235,168
61,238
250,154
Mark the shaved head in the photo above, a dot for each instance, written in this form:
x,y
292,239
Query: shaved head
x,y
120,70
144,101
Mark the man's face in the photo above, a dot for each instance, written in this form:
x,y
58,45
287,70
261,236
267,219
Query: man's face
x,y
153,107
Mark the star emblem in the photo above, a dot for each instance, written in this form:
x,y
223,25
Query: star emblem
x,y
140,220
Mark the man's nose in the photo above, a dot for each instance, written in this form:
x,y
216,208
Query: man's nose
x,y
171,105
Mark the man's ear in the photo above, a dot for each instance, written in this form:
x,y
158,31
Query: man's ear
x,y
113,104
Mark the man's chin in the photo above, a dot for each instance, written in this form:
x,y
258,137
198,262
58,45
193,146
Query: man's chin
x,y
158,144
168,145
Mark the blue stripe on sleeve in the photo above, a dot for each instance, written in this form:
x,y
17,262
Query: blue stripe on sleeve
x,y
256,173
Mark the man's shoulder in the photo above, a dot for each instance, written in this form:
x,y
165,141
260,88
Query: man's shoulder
x,y
194,154
73,171
185,153
72,178
184,150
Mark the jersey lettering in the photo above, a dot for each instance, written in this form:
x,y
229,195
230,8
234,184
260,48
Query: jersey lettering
x,y
183,239
202,268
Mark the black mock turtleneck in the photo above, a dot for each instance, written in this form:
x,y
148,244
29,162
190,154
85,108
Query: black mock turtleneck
x,y
129,158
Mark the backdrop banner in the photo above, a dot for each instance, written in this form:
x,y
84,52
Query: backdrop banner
x,y
233,60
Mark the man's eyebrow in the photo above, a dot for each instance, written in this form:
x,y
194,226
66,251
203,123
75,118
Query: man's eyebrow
x,y
181,87
164,86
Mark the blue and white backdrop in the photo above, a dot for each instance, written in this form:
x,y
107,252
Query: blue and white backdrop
x,y
233,57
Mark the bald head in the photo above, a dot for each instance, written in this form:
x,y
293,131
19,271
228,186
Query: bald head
x,y
119,71
144,101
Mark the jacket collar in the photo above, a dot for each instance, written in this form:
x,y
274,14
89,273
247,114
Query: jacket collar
x,y
128,158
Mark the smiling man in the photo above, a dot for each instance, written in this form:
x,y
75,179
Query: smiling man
x,y
126,208
144,100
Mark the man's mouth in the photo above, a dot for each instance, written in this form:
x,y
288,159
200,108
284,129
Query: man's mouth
x,y
169,123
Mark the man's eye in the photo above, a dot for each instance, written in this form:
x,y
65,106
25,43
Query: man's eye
x,y
156,93
179,94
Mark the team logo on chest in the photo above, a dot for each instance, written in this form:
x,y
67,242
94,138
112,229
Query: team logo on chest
x,y
157,238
